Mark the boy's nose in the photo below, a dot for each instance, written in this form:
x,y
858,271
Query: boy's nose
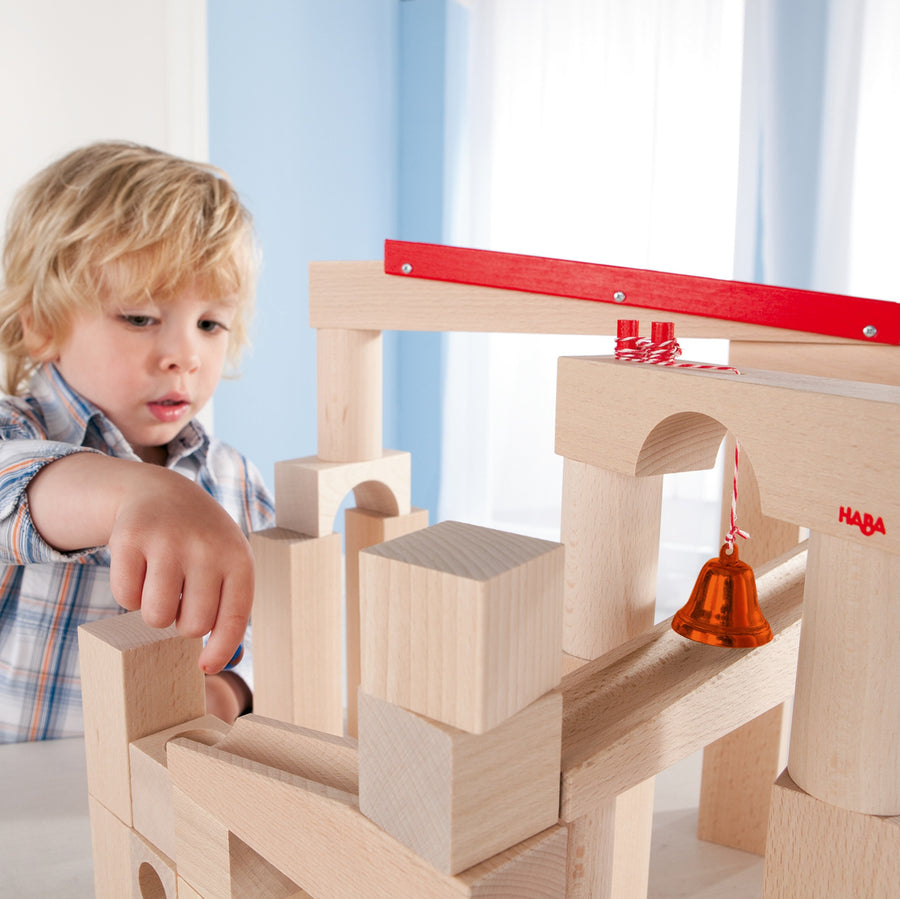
x,y
180,355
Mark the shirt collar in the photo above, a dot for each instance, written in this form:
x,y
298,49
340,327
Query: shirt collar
x,y
70,418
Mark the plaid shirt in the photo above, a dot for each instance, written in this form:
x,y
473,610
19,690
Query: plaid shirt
x,y
45,594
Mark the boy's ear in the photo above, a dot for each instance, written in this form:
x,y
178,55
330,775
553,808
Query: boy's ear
x,y
41,345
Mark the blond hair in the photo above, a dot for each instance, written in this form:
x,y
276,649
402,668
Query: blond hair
x,y
122,221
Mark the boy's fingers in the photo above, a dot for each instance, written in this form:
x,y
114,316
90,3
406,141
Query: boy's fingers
x,y
230,625
126,577
161,597
199,602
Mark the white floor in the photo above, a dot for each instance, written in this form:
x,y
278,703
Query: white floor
x,y
680,864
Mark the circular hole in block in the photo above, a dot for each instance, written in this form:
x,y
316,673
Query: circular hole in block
x,y
150,885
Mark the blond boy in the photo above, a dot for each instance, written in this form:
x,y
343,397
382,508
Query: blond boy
x,y
128,280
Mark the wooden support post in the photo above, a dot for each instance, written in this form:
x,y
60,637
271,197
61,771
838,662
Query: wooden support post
x,y
349,376
610,527
462,623
111,843
136,680
847,703
740,768
298,666
817,849
364,528
453,797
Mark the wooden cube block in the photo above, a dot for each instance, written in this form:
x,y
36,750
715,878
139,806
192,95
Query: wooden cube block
x,y
298,653
461,623
453,797
815,849
136,680
309,491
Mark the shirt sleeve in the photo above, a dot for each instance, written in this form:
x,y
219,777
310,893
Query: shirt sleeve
x,y
24,451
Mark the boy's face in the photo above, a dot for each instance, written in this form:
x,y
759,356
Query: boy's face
x,y
149,366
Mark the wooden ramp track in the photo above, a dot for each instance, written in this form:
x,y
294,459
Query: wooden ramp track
x,y
651,702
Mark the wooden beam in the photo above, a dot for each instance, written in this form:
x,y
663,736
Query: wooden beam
x,y
653,701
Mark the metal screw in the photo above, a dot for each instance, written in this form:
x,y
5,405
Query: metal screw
x,y
406,268
870,331
619,296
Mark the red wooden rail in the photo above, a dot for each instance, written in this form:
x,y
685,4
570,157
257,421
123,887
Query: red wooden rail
x,y
836,315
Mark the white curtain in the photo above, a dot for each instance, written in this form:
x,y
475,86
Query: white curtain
x,y
656,134
599,130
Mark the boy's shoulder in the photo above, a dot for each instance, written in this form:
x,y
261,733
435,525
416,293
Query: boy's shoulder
x,y
21,417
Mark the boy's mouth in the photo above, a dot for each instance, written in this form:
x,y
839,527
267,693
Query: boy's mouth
x,y
168,408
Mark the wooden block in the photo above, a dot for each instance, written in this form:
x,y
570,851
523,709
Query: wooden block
x,y
111,845
453,797
298,654
361,295
310,754
153,874
151,789
816,849
462,623
349,376
309,491
846,721
653,701
609,847
610,527
136,680
741,764
217,865
309,831
809,475
364,528
185,890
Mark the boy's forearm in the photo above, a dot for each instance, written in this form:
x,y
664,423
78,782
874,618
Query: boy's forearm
x,y
73,500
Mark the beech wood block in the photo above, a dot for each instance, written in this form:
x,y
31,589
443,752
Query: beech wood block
x,y
151,789
653,701
185,890
309,491
311,754
136,680
816,849
846,723
349,406
817,445
111,846
610,528
316,836
453,797
359,294
298,654
217,865
364,528
153,872
461,623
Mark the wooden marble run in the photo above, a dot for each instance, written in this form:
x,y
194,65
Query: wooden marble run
x,y
509,700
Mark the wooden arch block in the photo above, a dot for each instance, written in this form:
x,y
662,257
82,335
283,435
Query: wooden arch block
x,y
309,491
462,623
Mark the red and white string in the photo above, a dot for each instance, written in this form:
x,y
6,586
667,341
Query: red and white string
x,y
663,349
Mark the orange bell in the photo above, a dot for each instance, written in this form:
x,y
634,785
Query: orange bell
x,y
723,609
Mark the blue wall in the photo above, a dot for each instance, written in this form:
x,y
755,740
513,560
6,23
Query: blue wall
x,y
328,115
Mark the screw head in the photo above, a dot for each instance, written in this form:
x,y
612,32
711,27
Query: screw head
x,y
406,268
870,331
619,296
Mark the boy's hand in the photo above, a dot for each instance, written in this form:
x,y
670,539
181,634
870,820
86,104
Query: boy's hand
x,y
175,553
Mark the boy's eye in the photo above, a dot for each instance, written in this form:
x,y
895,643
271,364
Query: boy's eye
x,y
210,326
137,321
